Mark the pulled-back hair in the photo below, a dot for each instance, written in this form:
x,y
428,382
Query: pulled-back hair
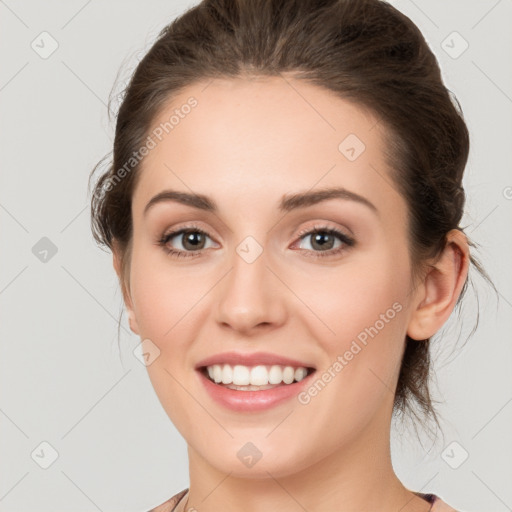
x,y
365,51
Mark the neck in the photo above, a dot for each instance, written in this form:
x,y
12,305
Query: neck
x,y
358,475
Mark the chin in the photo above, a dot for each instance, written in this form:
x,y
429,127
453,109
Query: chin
x,y
250,460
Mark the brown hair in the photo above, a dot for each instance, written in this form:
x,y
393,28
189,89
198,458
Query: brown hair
x,y
365,51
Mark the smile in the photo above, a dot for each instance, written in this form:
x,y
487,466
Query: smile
x,y
245,389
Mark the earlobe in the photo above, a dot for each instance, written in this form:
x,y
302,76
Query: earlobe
x,y
116,257
132,321
441,287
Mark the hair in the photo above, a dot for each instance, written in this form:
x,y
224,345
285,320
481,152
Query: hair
x,y
364,51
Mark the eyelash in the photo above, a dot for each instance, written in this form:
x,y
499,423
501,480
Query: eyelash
x,y
347,241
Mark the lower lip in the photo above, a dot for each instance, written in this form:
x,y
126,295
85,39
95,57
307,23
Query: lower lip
x,y
245,401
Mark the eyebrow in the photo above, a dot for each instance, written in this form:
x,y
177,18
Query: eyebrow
x,y
288,203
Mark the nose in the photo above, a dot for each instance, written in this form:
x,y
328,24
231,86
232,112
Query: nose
x,y
250,297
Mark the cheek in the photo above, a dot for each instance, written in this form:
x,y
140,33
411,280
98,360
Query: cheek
x,y
162,293
171,305
167,304
355,300
360,320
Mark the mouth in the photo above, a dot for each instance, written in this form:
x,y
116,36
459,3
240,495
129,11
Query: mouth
x,y
247,382
254,378
243,389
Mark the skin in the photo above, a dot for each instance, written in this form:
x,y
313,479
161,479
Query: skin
x,y
248,143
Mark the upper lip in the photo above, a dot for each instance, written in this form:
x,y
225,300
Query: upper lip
x,y
252,359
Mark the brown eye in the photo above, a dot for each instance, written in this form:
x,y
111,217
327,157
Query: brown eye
x,y
192,240
186,240
323,240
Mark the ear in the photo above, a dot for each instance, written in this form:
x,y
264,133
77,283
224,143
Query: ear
x,y
116,256
437,295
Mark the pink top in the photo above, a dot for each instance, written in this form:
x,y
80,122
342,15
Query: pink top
x,y
177,503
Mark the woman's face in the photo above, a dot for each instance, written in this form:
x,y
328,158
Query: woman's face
x,y
255,282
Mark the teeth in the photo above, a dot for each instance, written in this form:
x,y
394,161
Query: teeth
x,y
260,375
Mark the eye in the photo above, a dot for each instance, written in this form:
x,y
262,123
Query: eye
x,y
191,238
324,239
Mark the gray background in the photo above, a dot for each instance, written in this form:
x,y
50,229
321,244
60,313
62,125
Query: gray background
x,y
63,381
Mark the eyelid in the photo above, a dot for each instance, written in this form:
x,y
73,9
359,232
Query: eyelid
x,y
348,241
318,225
187,226
322,226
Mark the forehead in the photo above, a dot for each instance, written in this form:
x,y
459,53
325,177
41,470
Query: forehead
x,y
266,136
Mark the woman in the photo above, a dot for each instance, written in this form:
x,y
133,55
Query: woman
x,y
283,209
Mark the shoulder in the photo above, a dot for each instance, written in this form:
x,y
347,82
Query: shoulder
x,y
170,504
438,505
